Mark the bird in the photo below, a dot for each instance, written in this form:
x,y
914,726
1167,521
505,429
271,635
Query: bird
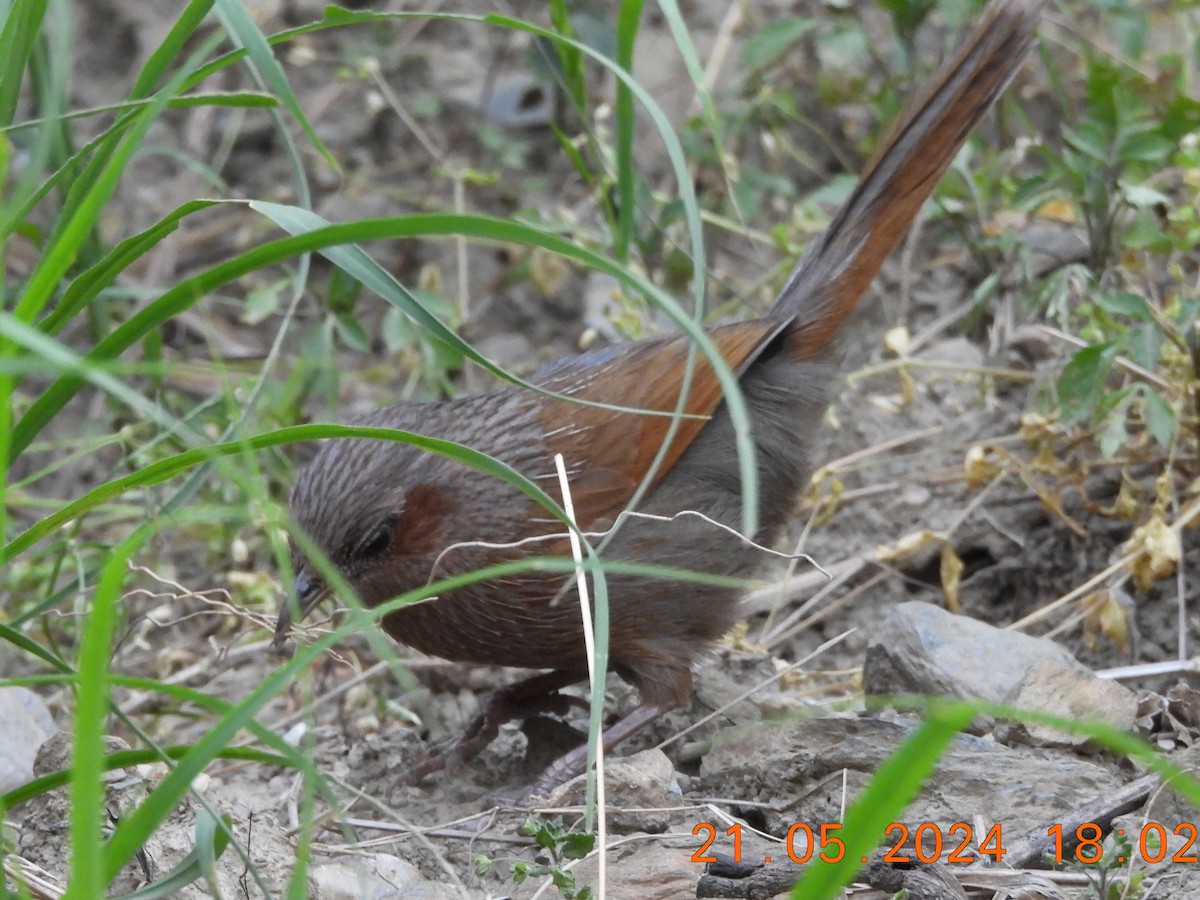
x,y
393,517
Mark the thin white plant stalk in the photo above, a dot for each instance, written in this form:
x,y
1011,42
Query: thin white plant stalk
x,y
589,643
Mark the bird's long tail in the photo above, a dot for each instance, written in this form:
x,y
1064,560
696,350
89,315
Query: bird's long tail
x,y
837,268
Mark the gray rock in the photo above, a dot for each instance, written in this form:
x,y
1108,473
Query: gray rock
x,y
956,351
375,877
644,869
25,723
922,649
1070,694
519,100
641,792
805,771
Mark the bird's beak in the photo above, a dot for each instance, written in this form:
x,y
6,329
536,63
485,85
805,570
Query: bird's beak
x,y
310,591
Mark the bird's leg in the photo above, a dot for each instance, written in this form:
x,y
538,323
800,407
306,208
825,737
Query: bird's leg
x,y
573,763
522,699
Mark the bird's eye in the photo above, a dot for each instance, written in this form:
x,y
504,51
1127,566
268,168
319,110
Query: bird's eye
x,y
378,539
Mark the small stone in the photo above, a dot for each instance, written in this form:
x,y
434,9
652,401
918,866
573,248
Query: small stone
x,y
376,877
1070,694
922,649
641,792
25,723
646,870
519,100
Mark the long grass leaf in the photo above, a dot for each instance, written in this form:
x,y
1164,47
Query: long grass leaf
x,y
181,33
244,31
18,38
227,99
49,351
88,877
189,292
212,837
163,469
90,282
123,759
628,17
88,198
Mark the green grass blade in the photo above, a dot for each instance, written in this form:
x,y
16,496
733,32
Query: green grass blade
x,y
88,197
161,470
89,283
628,17
123,759
88,876
47,350
25,202
18,38
32,647
708,109
211,841
228,99
893,786
170,47
244,31
189,292
356,263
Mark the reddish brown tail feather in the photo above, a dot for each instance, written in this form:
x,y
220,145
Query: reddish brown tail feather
x,y
837,268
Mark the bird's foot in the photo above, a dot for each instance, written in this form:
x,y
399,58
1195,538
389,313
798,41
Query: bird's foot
x,y
573,764
533,696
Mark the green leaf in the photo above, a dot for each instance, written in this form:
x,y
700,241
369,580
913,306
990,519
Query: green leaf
x,y
577,845
261,304
546,836
1090,140
1131,28
564,881
1146,231
1124,303
1149,147
1082,380
1144,343
1112,431
395,329
1159,416
352,333
767,45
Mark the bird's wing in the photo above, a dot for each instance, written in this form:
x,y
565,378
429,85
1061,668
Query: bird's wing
x,y
609,452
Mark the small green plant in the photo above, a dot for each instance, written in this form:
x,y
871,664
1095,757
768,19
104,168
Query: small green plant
x,y
1120,172
1125,333
561,845
1113,155
1108,877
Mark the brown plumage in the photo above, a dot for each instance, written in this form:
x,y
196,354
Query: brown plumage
x,y
393,518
